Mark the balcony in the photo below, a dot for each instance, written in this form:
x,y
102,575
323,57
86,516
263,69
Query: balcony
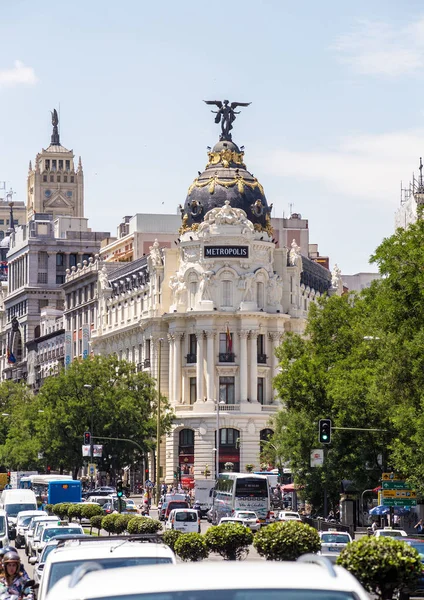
x,y
146,363
262,359
226,357
269,408
191,358
229,408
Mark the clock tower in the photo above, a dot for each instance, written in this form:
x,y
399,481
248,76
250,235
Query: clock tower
x,y
55,186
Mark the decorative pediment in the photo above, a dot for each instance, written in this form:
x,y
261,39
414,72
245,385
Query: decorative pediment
x,y
58,201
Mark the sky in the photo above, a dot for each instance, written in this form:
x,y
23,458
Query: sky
x,y
336,120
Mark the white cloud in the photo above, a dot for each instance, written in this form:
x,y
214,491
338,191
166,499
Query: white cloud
x,y
367,167
19,74
377,48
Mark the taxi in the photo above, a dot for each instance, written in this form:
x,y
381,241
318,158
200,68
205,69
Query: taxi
x,y
333,542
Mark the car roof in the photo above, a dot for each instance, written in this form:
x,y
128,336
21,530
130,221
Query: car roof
x,y
51,525
46,519
31,513
211,576
73,550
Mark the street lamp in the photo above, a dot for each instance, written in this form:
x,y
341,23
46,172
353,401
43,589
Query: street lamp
x,y
158,424
87,386
218,404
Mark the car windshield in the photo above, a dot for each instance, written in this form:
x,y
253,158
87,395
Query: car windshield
x,y
189,517
246,515
63,569
13,509
53,531
267,594
290,514
173,505
47,550
419,547
24,521
330,538
390,533
2,526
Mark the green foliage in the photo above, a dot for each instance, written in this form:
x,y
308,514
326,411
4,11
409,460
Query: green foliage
x,y
143,525
75,511
61,509
49,509
229,540
286,541
96,522
108,523
90,510
382,565
170,536
249,468
121,523
191,546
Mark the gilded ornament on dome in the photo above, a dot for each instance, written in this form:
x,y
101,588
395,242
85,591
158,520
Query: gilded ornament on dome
x,y
226,157
257,208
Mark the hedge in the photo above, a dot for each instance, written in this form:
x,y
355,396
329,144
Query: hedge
x,y
287,540
229,540
191,546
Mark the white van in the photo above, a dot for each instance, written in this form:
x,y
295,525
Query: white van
x,y
186,520
4,529
15,501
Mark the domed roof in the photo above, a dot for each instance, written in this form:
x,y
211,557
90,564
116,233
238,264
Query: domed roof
x,y
226,178
5,242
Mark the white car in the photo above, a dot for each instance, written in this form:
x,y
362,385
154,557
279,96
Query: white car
x,y
33,529
51,530
288,515
389,532
228,580
230,520
333,542
186,520
249,518
40,561
23,520
114,553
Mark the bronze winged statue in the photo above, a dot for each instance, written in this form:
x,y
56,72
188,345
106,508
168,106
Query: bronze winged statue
x,y
226,115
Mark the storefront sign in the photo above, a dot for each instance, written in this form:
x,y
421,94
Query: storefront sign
x,y
226,251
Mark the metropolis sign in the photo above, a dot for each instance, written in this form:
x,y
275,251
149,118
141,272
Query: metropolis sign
x,y
226,252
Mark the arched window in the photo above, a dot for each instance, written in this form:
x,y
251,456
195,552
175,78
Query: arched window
x,y
265,435
230,437
260,295
192,291
229,448
227,293
186,438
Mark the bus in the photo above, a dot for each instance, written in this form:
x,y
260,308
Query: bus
x,y
240,491
40,483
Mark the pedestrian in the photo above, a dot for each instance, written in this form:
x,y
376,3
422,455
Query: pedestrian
x,y
419,526
374,526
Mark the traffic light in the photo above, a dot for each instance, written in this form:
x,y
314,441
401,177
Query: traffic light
x,y
119,490
8,477
146,474
48,469
87,438
324,431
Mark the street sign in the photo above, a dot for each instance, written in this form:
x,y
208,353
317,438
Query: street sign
x,y
92,470
395,485
317,457
391,477
399,502
399,494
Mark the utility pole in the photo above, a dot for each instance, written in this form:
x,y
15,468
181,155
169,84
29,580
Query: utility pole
x,y
158,425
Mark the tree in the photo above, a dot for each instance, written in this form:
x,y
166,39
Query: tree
x,y
121,403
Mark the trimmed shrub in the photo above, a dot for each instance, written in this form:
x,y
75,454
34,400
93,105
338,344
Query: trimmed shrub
x,y
143,525
191,546
382,565
75,512
229,540
61,509
90,510
286,541
49,509
121,523
170,536
108,523
96,522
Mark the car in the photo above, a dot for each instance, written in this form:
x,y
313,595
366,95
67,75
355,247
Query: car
x,y
230,520
23,520
288,515
405,594
32,531
389,532
162,511
175,504
333,542
50,530
186,520
114,553
100,491
315,580
100,500
249,518
39,561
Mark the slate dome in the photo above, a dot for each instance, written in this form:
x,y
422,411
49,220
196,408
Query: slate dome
x,y
226,178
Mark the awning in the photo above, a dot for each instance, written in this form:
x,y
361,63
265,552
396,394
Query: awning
x,y
377,489
290,487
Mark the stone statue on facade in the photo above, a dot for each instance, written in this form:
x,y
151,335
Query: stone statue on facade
x,y
205,285
275,290
248,287
336,279
294,253
155,254
226,115
103,278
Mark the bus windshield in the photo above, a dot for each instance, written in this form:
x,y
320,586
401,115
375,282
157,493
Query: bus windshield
x,y
252,487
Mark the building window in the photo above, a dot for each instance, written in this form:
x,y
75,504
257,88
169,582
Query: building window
x,y
45,178
60,260
227,293
260,296
58,178
60,165
68,164
47,165
42,304
60,279
43,258
261,390
226,390
192,294
1,221
229,437
265,435
261,349
192,348
42,278
193,390
65,179
86,257
54,164
73,258
226,347
72,179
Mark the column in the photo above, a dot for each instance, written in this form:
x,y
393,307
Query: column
x,y
210,365
171,367
253,393
199,366
243,365
177,367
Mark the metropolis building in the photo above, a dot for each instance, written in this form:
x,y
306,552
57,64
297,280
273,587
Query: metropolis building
x,y
211,310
